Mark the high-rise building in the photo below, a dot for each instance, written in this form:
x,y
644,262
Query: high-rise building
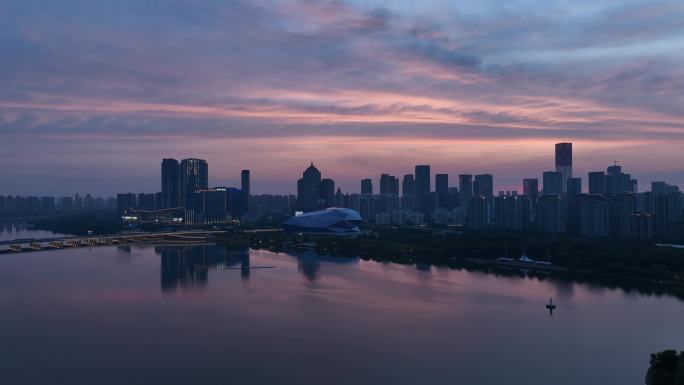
x,y
245,187
663,188
442,183
328,192
594,216
550,214
422,179
389,185
553,183
476,213
408,185
531,188
617,182
597,182
564,162
366,186
146,201
213,205
641,225
422,188
465,188
620,210
170,183
512,212
125,201
194,176
574,186
483,185
309,189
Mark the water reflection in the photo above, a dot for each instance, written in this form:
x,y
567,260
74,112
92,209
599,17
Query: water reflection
x,y
15,230
187,267
309,262
452,325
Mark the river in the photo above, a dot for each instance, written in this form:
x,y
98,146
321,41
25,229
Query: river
x,y
197,315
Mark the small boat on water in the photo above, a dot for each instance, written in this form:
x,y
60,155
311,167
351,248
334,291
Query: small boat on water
x,y
551,306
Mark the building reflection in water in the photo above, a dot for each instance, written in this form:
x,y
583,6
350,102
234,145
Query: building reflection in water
x,y
187,267
309,262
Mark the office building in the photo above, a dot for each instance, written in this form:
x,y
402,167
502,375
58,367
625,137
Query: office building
x,y
465,188
170,183
366,187
194,176
553,183
422,179
564,163
327,192
442,183
574,186
408,185
245,187
422,188
389,185
309,189
531,188
483,185
597,183
212,205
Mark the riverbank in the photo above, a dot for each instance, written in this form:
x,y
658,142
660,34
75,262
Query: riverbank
x,y
615,259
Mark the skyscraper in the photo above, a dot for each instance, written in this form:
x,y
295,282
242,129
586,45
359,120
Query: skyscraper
x,y
366,186
512,212
422,187
170,184
594,216
483,185
327,192
442,183
531,188
389,185
597,182
308,189
465,188
408,185
550,214
194,176
574,186
553,183
422,181
564,162
245,187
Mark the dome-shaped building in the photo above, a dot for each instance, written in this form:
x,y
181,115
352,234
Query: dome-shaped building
x,y
332,220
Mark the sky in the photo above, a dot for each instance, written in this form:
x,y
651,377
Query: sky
x,y
94,93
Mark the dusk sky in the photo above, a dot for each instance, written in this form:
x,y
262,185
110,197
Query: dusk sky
x,y
93,94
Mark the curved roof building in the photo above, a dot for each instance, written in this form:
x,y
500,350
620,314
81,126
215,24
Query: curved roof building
x,y
332,220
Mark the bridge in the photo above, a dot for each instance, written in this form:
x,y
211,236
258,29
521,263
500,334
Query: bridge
x,y
180,237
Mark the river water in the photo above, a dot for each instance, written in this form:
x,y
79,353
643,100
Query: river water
x,y
10,231
194,315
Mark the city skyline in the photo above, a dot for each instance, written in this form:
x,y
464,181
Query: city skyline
x,y
95,93
450,179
